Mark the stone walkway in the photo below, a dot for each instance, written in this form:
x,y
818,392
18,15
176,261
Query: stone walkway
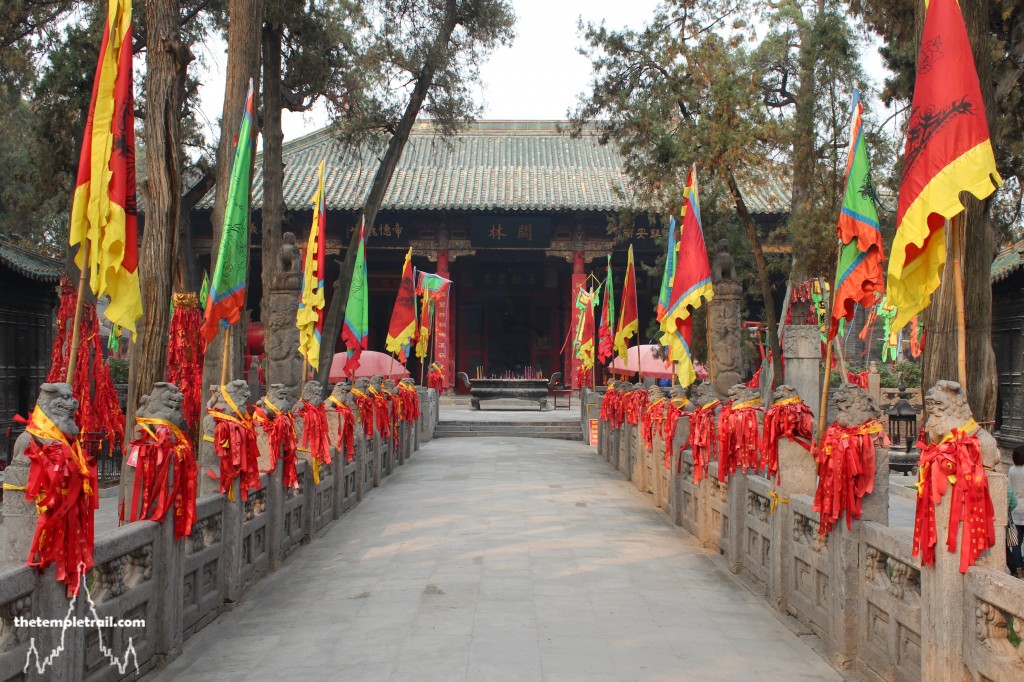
x,y
500,559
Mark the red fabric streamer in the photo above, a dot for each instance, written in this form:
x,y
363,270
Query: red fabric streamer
x,y
185,351
653,422
789,418
435,379
410,403
955,460
315,432
367,409
738,439
280,429
846,472
234,441
161,445
612,410
99,410
674,413
63,485
346,429
858,379
702,439
382,412
634,403
394,416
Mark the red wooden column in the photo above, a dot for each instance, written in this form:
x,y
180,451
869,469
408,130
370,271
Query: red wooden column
x,y
573,364
444,322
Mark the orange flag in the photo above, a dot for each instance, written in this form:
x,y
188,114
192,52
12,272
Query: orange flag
x,y
104,212
948,151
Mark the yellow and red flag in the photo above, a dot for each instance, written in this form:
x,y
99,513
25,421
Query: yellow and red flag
x,y
104,211
691,285
948,151
628,322
310,316
403,318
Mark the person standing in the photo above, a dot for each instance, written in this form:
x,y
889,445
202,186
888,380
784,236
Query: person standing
x,y
1014,559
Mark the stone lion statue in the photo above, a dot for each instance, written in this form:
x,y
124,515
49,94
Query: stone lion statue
x,y
163,402
377,381
654,393
854,406
238,390
362,384
312,393
741,393
289,258
703,393
279,395
342,392
390,386
948,409
723,269
57,401
408,381
784,392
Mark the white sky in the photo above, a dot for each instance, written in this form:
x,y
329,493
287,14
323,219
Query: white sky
x,y
537,77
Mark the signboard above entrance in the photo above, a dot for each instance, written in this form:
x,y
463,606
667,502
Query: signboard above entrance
x,y
510,231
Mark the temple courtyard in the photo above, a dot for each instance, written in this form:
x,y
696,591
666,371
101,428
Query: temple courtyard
x,y
502,558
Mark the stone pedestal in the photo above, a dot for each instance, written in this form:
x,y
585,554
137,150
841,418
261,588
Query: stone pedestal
x,y
19,514
284,363
801,346
797,470
725,322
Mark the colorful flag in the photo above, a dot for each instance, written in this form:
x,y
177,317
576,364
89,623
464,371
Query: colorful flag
x,y
606,332
431,288
310,316
665,295
403,317
357,310
227,288
628,322
691,286
204,291
104,211
859,278
948,151
586,349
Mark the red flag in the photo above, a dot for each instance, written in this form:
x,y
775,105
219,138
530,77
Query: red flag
x,y
629,324
403,317
948,151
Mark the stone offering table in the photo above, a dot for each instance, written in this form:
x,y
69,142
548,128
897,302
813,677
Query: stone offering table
x,y
534,390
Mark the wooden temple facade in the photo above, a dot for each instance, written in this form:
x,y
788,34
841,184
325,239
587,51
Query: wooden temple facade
x,y
29,284
513,212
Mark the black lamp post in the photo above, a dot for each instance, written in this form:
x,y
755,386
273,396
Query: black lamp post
x,y
902,422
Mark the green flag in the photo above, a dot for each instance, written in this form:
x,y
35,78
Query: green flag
x,y
357,311
227,289
204,291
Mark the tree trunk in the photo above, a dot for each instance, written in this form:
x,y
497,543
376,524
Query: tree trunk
x,y
244,26
762,275
940,360
163,189
273,172
381,181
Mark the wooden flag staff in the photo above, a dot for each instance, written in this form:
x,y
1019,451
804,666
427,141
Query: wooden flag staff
x,y
226,357
957,244
76,326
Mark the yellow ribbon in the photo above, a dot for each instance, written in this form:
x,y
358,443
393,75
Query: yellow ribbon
x,y
680,402
776,499
749,403
11,486
271,405
41,426
787,401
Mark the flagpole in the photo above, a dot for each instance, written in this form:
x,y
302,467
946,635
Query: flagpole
x,y
305,372
225,357
76,326
958,284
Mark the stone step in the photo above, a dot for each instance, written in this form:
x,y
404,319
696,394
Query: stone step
x,y
557,435
569,430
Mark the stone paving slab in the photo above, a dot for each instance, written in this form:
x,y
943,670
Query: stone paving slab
x,y
500,559
505,410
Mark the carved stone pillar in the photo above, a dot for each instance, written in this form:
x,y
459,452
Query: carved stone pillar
x,y
284,363
724,324
801,347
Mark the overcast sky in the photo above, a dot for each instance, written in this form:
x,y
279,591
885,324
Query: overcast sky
x,y
537,77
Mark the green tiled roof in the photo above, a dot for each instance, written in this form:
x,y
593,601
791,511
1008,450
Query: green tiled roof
x,y
493,165
29,263
1009,260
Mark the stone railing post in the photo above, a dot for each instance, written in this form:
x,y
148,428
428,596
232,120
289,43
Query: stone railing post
x,y
169,576
275,524
725,322
737,521
801,347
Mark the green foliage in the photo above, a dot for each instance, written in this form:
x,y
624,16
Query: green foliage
x,y
118,370
890,375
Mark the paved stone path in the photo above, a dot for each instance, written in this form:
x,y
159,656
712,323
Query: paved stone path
x,y
500,559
